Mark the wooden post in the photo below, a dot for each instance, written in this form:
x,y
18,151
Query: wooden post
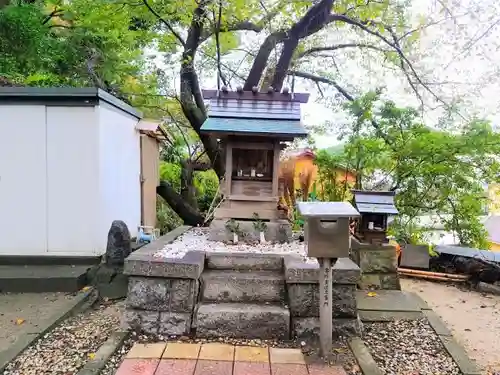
x,y
326,305
229,166
276,165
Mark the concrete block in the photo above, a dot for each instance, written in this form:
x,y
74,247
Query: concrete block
x,y
276,231
380,259
244,261
156,294
297,270
304,300
387,281
243,286
142,320
144,263
174,323
243,320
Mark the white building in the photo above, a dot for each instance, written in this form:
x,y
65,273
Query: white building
x,y
70,164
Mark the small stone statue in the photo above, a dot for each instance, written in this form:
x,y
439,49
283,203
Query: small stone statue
x,y
119,244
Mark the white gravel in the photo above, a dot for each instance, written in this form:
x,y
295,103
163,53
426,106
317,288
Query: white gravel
x,y
408,347
64,350
197,239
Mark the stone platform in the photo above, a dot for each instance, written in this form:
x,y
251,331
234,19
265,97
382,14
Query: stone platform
x,y
242,295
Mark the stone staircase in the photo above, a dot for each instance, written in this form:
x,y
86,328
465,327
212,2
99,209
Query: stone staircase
x,y
243,295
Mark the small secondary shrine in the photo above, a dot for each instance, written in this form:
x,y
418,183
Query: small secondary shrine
x,y
375,208
252,127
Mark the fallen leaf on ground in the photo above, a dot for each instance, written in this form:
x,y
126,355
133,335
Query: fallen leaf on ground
x,y
19,321
371,294
91,355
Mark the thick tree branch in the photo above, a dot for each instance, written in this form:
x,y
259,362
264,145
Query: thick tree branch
x,y
314,50
314,20
260,61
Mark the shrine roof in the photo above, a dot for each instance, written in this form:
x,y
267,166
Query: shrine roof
x,y
375,202
269,127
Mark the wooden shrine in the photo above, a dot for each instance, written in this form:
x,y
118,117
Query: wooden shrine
x,y
252,127
375,208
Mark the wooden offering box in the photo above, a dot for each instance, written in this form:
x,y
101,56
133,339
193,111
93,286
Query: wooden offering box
x,y
252,127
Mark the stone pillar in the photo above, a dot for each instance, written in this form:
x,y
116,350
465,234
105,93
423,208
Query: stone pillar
x,y
378,264
162,292
303,292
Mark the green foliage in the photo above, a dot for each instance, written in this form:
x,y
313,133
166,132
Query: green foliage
x,y
258,224
166,218
233,226
207,186
433,171
332,177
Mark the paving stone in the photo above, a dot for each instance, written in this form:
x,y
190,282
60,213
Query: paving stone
x,y
217,352
138,367
290,356
178,350
288,369
251,354
387,300
326,370
146,350
214,368
251,368
176,367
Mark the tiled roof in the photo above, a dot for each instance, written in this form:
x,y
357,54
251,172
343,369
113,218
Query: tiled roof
x,y
256,126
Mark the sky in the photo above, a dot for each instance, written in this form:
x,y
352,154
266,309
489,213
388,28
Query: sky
x,y
461,53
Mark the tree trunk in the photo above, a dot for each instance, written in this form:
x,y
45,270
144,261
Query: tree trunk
x,y
188,191
188,214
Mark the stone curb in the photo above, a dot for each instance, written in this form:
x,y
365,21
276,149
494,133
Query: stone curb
x,y
83,300
143,262
454,349
365,360
104,353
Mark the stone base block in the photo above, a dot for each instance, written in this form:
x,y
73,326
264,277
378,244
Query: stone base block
x,y
304,300
243,320
156,322
159,294
309,327
385,281
243,286
276,231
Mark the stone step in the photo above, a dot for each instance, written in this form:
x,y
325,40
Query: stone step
x,y
42,278
242,286
244,261
243,320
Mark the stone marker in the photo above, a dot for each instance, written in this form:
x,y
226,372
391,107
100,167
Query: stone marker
x,y
119,244
327,237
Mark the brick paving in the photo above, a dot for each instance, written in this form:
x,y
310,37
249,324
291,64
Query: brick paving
x,y
218,359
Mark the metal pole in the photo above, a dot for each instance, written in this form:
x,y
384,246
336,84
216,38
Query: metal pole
x,y
325,305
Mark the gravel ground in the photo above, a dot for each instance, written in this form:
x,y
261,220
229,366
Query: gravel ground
x,y
473,318
197,238
66,349
22,312
342,355
408,347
